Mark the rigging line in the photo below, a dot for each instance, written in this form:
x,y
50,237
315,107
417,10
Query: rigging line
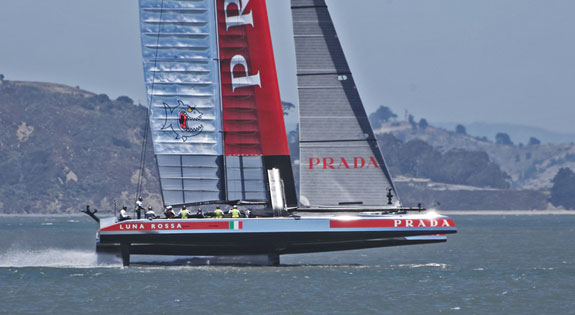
x,y
150,101
143,155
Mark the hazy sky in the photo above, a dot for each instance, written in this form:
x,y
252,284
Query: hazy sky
x,y
510,61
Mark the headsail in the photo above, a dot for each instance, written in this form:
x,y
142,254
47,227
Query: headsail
x,y
340,160
215,109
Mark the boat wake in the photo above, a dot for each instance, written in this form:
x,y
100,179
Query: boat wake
x,y
429,265
56,258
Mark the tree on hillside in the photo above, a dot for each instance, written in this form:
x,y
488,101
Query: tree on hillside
x,y
381,115
391,147
416,158
102,98
412,122
287,107
562,192
411,156
460,130
423,123
534,141
293,143
503,138
470,168
125,100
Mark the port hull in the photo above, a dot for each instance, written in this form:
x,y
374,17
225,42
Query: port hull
x,y
257,243
267,236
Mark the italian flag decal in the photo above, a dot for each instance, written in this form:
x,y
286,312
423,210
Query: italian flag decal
x,y
236,225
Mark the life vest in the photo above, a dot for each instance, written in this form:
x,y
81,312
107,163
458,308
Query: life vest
x,y
235,213
219,213
184,213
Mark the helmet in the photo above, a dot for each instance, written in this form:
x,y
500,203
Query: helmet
x,y
140,198
235,207
124,207
150,208
169,207
184,207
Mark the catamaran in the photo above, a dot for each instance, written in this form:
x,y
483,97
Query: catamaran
x,y
219,138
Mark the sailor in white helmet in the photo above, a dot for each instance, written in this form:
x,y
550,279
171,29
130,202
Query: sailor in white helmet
x,y
139,207
150,214
169,212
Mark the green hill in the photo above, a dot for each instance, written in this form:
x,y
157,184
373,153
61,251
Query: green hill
x,y
529,166
62,148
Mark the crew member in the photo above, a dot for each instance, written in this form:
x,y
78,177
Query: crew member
x,y
199,213
169,212
248,213
150,214
183,213
234,212
139,207
124,214
219,213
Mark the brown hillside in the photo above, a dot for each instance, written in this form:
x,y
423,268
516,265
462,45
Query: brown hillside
x,y
62,148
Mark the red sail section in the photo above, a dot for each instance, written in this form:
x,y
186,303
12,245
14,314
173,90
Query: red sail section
x,y
252,111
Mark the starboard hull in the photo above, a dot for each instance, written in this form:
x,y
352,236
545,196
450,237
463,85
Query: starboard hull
x,y
268,236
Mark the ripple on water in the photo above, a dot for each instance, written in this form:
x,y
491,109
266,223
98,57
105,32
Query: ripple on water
x,y
432,265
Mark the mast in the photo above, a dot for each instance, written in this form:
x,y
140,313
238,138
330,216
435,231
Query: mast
x,y
340,160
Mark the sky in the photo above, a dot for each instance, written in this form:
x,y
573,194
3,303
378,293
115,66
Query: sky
x,y
497,61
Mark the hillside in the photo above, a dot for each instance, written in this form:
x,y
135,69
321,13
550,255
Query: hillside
x,y
518,133
62,148
530,167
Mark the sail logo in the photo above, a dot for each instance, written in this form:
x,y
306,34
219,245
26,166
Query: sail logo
x,y
397,223
183,121
241,17
152,226
421,223
342,163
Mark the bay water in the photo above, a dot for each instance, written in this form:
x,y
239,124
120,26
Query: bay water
x,y
496,264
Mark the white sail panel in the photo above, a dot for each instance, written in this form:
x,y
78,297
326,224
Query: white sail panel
x,y
179,47
245,178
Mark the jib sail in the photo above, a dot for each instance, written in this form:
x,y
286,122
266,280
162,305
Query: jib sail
x,y
340,160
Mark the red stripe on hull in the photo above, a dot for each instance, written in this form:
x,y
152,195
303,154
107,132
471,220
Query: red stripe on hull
x,y
169,226
416,223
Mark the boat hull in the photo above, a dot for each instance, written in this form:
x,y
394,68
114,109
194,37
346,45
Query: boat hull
x,y
269,236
